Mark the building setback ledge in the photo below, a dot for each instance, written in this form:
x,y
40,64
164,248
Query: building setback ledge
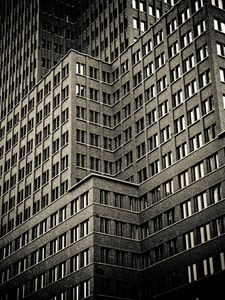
x,y
94,175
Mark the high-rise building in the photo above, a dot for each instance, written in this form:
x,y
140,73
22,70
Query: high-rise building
x,y
112,150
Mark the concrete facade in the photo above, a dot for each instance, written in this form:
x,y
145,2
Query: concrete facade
x,y
112,167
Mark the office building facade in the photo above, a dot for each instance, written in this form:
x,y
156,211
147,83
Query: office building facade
x,y
112,158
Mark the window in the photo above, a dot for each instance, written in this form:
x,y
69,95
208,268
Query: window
x,y
219,25
135,23
186,39
210,133
215,194
94,94
81,160
185,15
157,223
104,197
160,60
116,96
173,49
208,266
81,136
129,158
189,240
183,179
138,101
45,177
161,84
200,28
55,169
177,98
94,139
105,225
222,75
193,115
80,68
200,202
140,125
158,252
151,10
207,105
44,201
81,112
165,134
56,79
117,118
148,70
46,131
175,73
56,100
188,63
202,52
158,13
106,98
192,273
218,3
196,142
136,80
62,241
118,141
108,167
80,90
168,187
212,162
128,133
136,57
143,26
198,4
93,72
204,78
141,150
107,143
163,108
150,92
64,138
107,120
65,115
172,26
151,117
55,146
94,116
179,124
56,123
65,71
142,175
204,233
124,67
186,210
154,167
142,6
147,47
197,171
191,88
158,37
64,187
94,163
153,142
220,49
47,88
167,160
181,150
170,216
